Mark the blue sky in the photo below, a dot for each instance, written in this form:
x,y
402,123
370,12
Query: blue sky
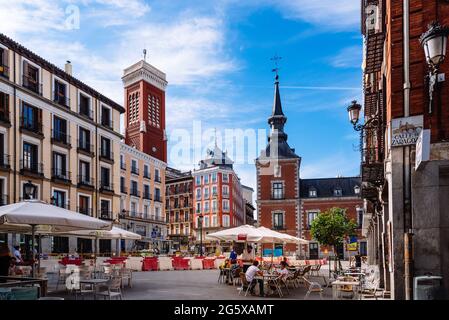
x,y
217,58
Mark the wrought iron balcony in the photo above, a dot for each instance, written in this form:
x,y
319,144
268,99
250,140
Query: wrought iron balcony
x,y
134,170
61,137
107,122
147,195
31,168
61,99
157,179
85,181
146,175
4,70
123,189
86,211
134,192
105,215
61,175
4,162
106,186
31,126
86,147
107,155
86,111
31,84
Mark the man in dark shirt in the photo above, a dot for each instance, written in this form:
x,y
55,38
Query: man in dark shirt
x,y
5,261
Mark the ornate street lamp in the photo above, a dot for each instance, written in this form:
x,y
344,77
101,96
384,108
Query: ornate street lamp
x,y
200,222
29,189
354,112
434,42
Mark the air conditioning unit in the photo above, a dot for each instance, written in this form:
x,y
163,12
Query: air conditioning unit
x,y
428,288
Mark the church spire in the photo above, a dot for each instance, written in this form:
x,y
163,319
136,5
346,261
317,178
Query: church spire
x,y
277,119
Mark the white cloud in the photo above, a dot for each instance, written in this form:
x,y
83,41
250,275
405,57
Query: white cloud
x,y
350,57
330,14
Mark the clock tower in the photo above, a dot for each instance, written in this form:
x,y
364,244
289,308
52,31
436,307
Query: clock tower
x,y
145,109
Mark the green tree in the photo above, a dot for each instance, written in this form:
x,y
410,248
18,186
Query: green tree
x,y
331,227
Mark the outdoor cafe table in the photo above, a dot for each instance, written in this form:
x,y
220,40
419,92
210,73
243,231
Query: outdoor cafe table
x,y
95,283
270,276
339,283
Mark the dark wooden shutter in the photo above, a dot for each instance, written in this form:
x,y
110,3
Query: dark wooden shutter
x,y
39,119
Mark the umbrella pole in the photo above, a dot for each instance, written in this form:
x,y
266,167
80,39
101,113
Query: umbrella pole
x,y
39,252
33,231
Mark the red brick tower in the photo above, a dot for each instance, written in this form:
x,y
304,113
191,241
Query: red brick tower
x,y
145,109
278,205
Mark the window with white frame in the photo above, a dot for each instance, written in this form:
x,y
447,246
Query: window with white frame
x,y
198,194
206,193
311,215
225,177
226,220
206,179
357,190
226,205
214,190
214,220
157,212
133,209
206,222
214,206
214,177
206,206
278,190
146,210
198,180
278,220
312,193
338,192
198,207
225,190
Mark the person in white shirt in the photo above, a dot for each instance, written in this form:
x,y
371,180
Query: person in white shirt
x,y
247,257
250,274
17,255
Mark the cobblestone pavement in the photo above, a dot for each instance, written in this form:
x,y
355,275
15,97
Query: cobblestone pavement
x,y
186,285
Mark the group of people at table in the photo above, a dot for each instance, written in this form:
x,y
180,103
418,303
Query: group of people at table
x,y
253,273
9,261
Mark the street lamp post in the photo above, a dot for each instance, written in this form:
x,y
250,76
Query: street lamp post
x,y
200,222
434,42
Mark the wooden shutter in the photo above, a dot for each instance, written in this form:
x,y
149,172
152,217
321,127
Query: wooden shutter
x,y
39,119
25,69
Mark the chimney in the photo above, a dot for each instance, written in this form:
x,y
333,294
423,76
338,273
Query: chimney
x,y
68,67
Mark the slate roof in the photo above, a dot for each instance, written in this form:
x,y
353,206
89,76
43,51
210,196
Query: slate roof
x,y
325,187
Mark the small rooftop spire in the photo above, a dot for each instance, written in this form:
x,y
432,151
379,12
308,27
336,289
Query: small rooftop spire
x,y
145,55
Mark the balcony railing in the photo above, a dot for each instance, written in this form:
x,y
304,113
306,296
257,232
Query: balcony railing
x,y
4,70
106,154
4,199
34,126
105,215
86,112
85,146
157,178
60,137
281,227
146,175
58,174
134,192
157,198
86,211
31,84
106,122
147,195
4,115
134,170
31,167
4,161
85,181
123,189
106,186
61,99
123,165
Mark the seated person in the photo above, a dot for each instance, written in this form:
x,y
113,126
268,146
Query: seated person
x,y
225,264
250,274
17,255
283,272
286,262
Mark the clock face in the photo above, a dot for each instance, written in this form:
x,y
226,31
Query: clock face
x,y
154,149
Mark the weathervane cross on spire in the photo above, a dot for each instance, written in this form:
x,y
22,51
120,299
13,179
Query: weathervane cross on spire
x,y
276,60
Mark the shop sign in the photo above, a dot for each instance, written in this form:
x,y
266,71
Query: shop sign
x,y
406,131
422,148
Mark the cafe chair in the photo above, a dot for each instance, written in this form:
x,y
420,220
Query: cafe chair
x,y
313,287
245,284
112,289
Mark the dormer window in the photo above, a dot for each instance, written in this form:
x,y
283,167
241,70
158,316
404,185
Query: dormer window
x,y
312,193
357,190
338,192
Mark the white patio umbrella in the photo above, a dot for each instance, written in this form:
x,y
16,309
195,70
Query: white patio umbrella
x,y
271,236
36,216
114,233
238,234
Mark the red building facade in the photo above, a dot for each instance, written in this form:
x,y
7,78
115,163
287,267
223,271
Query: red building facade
x,y
217,195
145,109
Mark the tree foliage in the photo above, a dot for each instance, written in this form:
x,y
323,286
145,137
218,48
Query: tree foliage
x,y
331,227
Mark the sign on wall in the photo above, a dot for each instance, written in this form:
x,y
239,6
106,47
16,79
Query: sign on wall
x,y
422,148
406,131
